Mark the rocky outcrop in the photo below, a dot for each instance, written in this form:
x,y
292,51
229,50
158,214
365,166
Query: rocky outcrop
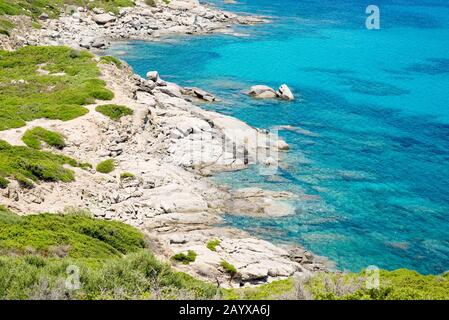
x,y
285,93
200,94
265,92
262,92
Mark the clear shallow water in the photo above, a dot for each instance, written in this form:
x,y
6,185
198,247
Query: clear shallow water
x,y
376,103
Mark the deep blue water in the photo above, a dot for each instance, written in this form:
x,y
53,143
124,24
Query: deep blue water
x,y
377,103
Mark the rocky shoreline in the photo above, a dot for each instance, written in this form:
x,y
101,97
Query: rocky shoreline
x,y
170,145
80,28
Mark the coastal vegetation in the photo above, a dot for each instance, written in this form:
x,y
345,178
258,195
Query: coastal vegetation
x,y
111,60
106,166
5,26
212,244
47,82
113,111
110,260
185,258
228,268
74,256
27,165
33,138
399,284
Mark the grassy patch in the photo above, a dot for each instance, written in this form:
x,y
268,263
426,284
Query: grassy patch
x,y
113,111
111,60
400,284
228,268
5,26
3,182
212,244
185,258
106,166
27,165
33,137
72,235
47,82
109,257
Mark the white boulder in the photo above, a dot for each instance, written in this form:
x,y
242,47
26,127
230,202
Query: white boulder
x,y
285,92
153,75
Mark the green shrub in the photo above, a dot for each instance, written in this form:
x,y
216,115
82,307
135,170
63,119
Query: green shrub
x,y
33,137
113,111
137,275
111,60
126,175
212,244
76,235
185,258
106,166
23,181
110,257
228,268
400,284
6,26
3,182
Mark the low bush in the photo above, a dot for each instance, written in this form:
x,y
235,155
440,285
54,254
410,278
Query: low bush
x,y
27,165
106,166
111,60
126,175
109,258
275,290
33,137
212,244
228,268
113,111
185,258
3,182
81,235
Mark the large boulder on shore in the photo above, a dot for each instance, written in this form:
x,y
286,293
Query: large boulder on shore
x,y
153,75
285,93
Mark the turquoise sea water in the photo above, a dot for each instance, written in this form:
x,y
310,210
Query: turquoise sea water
x,y
376,103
